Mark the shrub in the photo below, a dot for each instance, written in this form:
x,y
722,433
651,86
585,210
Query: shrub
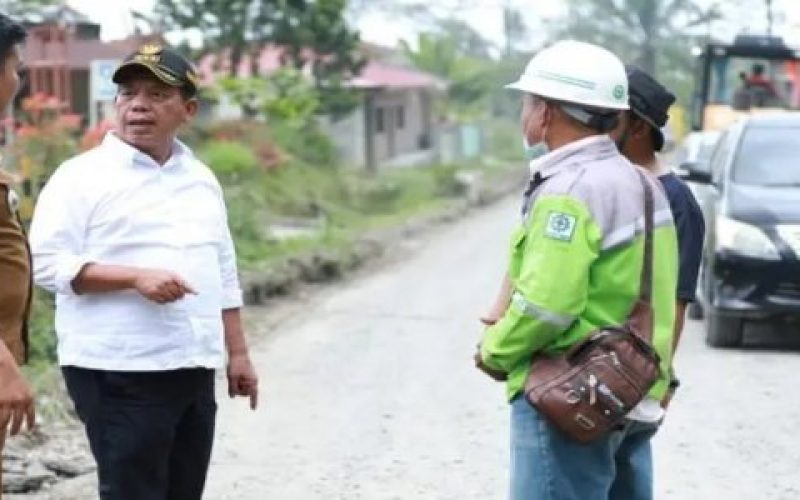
x,y
45,137
446,181
284,96
232,161
309,145
274,144
246,220
94,136
41,329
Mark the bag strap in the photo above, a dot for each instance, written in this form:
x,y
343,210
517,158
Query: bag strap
x,y
640,319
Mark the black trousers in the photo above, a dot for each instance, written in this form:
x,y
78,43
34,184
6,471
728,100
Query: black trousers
x,y
150,432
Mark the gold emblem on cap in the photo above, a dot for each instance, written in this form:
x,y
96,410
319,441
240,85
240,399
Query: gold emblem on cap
x,y
147,58
150,49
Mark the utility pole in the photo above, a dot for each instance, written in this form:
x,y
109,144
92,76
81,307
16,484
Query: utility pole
x,y
769,17
514,27
507,27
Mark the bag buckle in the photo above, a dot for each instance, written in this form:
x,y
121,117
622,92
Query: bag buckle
x,y
584,421
592,389
572,397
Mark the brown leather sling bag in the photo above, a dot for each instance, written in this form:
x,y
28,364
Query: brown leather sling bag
x,y
587,391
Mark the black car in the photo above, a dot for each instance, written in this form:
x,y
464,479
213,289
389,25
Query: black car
x,y
695,151
751,266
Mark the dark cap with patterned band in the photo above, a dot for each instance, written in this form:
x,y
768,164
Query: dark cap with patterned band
x,y
650,101
165,64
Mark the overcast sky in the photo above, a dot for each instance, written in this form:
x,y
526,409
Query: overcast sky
x,y
483,15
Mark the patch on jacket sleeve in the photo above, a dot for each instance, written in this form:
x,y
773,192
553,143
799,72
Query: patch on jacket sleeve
x,y
13,201
560,226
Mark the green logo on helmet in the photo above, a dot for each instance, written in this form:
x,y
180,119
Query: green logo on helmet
x,y
619,92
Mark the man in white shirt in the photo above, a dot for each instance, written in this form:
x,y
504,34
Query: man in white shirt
x,y
132,236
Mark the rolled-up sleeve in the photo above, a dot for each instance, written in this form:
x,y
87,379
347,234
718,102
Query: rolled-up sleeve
x,y
57,233
231,289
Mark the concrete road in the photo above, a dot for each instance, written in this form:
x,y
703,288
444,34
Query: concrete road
x,y
369,394
731,433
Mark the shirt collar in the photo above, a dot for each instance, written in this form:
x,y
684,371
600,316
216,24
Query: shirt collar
x,y
661,169
595,147
131,155
657,168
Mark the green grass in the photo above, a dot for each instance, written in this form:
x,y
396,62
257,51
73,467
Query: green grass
x,y
41,331
346,202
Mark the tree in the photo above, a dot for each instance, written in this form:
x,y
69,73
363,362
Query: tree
x,y
649,33
285,96
514,28
316,34
22,8
639,28
468,42
233,25
313,32
468,80
434,54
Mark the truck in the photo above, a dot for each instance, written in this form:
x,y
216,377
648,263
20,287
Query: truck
x,y
754,74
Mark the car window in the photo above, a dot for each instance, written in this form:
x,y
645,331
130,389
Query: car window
x,y
704,151
682,154
768,157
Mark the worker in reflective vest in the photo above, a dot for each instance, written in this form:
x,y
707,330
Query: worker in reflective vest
x,y
575,265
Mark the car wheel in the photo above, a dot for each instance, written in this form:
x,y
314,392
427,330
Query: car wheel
x,y
694,311
724,331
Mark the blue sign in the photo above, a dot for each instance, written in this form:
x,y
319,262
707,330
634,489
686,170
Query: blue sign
x,y
102,88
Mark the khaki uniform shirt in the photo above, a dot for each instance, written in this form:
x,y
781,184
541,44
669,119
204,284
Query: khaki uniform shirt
x,y
15,273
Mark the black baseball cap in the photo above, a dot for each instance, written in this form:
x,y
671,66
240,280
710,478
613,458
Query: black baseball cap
x,y
166,64
649,100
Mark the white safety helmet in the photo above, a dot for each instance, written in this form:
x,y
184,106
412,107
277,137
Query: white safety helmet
x,y
578,73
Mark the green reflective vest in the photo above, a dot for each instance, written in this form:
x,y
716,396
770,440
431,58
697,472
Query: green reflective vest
x,y
576,259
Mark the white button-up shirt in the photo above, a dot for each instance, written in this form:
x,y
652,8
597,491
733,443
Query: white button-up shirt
x,y
115,205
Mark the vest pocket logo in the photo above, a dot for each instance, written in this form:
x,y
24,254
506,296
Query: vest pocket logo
x,y
560,226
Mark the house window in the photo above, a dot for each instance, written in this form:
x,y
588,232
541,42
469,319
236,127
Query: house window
x,y
380,125
401,117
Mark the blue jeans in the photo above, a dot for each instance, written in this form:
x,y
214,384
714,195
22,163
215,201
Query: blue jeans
x,y
547,465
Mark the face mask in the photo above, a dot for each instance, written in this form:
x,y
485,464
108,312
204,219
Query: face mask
x,y
535,151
